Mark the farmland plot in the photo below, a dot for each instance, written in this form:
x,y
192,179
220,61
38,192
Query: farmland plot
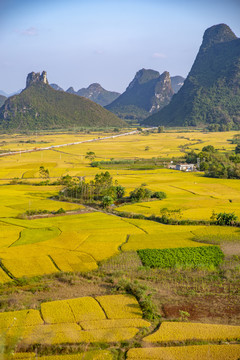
x,y
81,320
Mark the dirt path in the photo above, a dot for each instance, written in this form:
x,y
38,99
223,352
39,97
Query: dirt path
x,y
67,213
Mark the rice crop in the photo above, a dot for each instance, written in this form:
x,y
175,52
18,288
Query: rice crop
x,y
70,333
20,318
86,355
50,334
109,335
162,240
84,240
114,323
56,312
58,324
86,309
27,355
120,306
217,235
100,235
31,266
69,240
73,261
195,352
72,310
4,277
182,331
8,234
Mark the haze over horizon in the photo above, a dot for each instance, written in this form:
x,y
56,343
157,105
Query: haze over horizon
x,y
79,42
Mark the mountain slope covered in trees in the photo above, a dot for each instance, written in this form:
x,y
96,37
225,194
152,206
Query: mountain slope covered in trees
x,y
39,106
210,95
148,92
98,94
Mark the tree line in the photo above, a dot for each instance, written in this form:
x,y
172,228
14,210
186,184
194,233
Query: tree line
x,y
216,164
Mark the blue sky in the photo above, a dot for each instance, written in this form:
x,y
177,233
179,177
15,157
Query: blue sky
x,y
79,42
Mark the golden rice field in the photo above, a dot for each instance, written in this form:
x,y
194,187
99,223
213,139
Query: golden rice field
x,y
79,242
195,195
108,319
195,352
17,199
74,243
210,352
86,355
183,331
219,140
71,159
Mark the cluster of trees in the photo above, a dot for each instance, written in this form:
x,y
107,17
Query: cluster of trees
x,y
104,190
236,139
142,193
222,127
216,164
101,189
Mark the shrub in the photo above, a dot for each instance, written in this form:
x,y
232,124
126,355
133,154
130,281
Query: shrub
x,y
140,193
226,218
120,191
107,201
237,149
208,148
59,211
159,195
36,212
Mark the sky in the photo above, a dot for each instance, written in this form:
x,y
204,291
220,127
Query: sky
x,y
79,42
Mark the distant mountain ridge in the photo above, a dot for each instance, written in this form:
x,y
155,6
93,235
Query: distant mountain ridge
x,y
96,93
147,93
56,87
210,95
3,93
39,106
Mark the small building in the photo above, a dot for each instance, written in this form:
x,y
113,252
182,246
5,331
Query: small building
x,y
185,167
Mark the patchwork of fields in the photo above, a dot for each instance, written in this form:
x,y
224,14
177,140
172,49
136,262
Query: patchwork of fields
x,y
82,320
79,242
111,319
82,239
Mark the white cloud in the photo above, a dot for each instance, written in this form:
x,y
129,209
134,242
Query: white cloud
x,y
32,31
158,55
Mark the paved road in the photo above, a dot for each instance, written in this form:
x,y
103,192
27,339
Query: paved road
x,y
69,144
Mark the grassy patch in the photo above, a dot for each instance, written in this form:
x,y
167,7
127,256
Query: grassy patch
x,y
31,236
